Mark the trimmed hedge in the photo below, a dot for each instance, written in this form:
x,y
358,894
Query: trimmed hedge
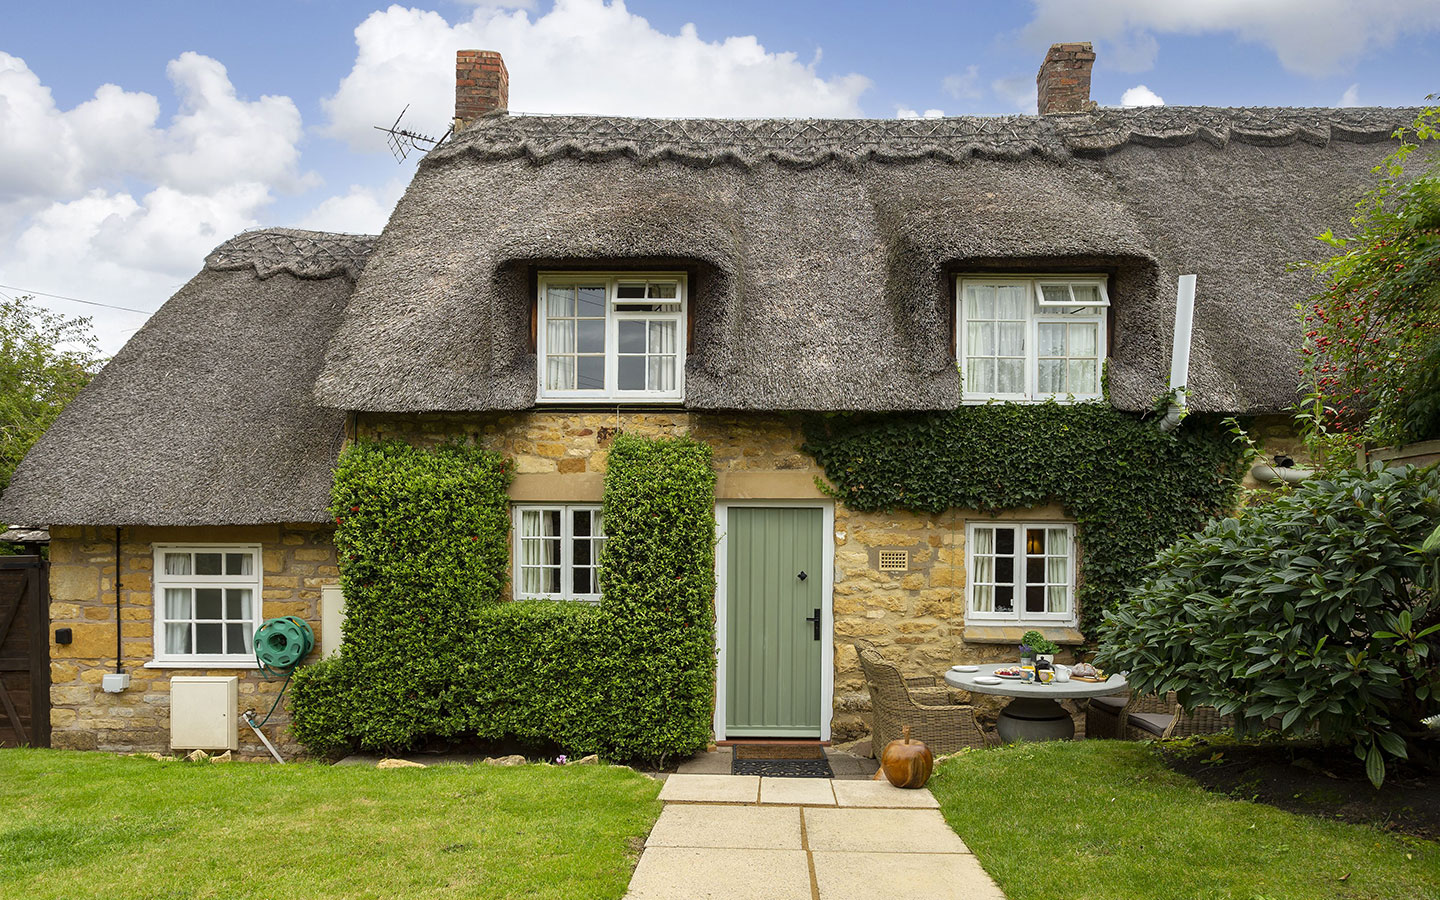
x,y
632,677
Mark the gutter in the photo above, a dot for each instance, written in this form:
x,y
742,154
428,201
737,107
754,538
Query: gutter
x,y
1180,353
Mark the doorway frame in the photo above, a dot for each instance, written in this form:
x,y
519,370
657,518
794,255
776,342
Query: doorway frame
x,y
827,603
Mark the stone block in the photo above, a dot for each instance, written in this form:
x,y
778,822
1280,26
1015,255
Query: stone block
x,y
313,554
75,583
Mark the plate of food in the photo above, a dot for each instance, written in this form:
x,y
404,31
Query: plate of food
x,y
964,668
1013,673
1086,672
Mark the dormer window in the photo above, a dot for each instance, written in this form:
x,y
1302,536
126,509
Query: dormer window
x,y
1031,339
611,336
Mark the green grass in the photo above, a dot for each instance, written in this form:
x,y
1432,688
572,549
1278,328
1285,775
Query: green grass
x,y
81,825
1105,820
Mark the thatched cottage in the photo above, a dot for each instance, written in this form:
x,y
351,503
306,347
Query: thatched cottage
x,y
547,281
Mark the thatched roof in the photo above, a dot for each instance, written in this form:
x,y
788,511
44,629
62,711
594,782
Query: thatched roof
x,y
823,252
206,416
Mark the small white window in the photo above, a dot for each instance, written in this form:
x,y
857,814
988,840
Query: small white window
x,y
557,552
1025,339
611,337
207,603
1020,572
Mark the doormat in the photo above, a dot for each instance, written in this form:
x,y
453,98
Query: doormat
x,y
782,768
778,750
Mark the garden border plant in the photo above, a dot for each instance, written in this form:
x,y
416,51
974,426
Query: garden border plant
x,y
1130,488
431,649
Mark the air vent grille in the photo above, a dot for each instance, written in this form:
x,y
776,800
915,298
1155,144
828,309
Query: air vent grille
x,y
894,560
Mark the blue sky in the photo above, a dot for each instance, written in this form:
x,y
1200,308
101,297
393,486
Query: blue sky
x,y
221,117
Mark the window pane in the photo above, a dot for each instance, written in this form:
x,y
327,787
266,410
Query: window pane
x,y
632,336
1035,598
177,638
1055,293
1051,339
592,336
1004,569
1035,541
583,584
1083,338
560,336
1010,302
177,603
1052,376
1010,339
980,339
980,302
207,603
630,291
560,373
1009,376
662,336
209,638
1082,376
580,552
660,373
237,603
177,564
663,290
632,373
207,563
592,301
581,521
980,375
1005,541
590,373
235,640
1004,598
239,564
1057,599
1086,293
1059,541
560,300
1035,571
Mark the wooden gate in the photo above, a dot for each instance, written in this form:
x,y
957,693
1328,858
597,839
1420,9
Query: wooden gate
x,y
24,652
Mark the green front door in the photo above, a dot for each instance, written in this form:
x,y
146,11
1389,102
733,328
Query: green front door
x,y
773,598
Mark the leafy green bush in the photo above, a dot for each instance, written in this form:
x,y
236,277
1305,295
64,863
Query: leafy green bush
x,y
429,652
1318,610
1130,488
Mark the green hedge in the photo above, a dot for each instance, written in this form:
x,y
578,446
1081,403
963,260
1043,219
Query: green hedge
x,y
430,652
1130,488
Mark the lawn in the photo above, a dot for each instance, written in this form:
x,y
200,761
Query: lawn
x,y
1105,820
80,825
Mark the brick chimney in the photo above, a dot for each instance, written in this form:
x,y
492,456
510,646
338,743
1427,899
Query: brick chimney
x,y
481,85
1063,85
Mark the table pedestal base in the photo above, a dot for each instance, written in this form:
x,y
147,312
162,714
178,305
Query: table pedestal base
x,y
1034,719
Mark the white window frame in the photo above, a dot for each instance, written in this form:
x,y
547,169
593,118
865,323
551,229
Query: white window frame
x,y
611,391
567,550
1019,615
160,581
1036,315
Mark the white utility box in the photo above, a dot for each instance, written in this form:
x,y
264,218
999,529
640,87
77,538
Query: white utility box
x,y
115,682
204,712
332,617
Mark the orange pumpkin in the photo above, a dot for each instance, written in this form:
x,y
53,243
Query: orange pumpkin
x,y
907,763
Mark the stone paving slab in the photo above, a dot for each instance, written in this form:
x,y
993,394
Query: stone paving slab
x,y
885,876
797,791
883,794
688,873
869,830
741,827
711,789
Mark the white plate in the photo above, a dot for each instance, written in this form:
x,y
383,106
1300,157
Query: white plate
x,y
987,679
964,668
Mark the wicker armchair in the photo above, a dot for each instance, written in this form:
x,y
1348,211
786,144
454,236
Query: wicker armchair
x,y
896,701
1146,717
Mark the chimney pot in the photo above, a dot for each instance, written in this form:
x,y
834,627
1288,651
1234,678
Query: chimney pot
x,y
1063,84
482,85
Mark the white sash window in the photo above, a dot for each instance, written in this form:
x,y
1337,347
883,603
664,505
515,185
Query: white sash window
x,y
611,337
207,604
557,552
1028,339
1020,572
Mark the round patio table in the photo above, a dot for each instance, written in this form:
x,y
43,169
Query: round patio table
x,y
1035,714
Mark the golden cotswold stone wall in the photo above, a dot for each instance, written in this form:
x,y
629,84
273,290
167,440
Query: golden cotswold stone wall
x,y
916,617
298,560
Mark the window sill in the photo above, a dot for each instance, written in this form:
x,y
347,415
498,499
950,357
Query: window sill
x,y
1062,399
202,664
1011,634
609,401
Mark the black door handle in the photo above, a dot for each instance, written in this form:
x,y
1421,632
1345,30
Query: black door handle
x,y
802,576
815,619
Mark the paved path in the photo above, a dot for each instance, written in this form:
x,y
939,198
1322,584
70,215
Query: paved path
x,y
740,837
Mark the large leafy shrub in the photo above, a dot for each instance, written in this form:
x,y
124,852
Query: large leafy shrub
x,y
1130,488
1318,610
430,649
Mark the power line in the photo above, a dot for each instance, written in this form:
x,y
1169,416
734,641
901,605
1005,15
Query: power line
x,y
143,312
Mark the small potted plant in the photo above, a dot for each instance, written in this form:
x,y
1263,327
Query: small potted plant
x,y
1027,655
1040,646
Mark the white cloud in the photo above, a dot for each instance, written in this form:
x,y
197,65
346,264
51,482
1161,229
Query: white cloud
x,y
580,56
965,86
1140,95
1351,97
1019,91
902,112
1312,37
360,210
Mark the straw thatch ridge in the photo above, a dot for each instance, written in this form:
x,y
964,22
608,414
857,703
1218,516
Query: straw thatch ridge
x,y
823,252
205,417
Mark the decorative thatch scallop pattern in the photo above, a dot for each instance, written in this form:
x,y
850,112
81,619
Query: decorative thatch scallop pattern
x,y
304,254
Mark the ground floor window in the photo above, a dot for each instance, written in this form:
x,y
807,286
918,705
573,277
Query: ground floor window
x,y
207,603
558,552
1021,571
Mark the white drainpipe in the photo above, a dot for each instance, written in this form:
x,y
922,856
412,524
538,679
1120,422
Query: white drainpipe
x,y
1180,351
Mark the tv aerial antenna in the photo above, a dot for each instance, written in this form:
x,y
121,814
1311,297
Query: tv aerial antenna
x,y
402,140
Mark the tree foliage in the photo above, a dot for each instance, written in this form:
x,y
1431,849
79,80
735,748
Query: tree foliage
x,y
1371,358
45,359
1317,611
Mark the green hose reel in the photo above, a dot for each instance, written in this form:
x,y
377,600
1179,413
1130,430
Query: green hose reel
x,y
281,643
